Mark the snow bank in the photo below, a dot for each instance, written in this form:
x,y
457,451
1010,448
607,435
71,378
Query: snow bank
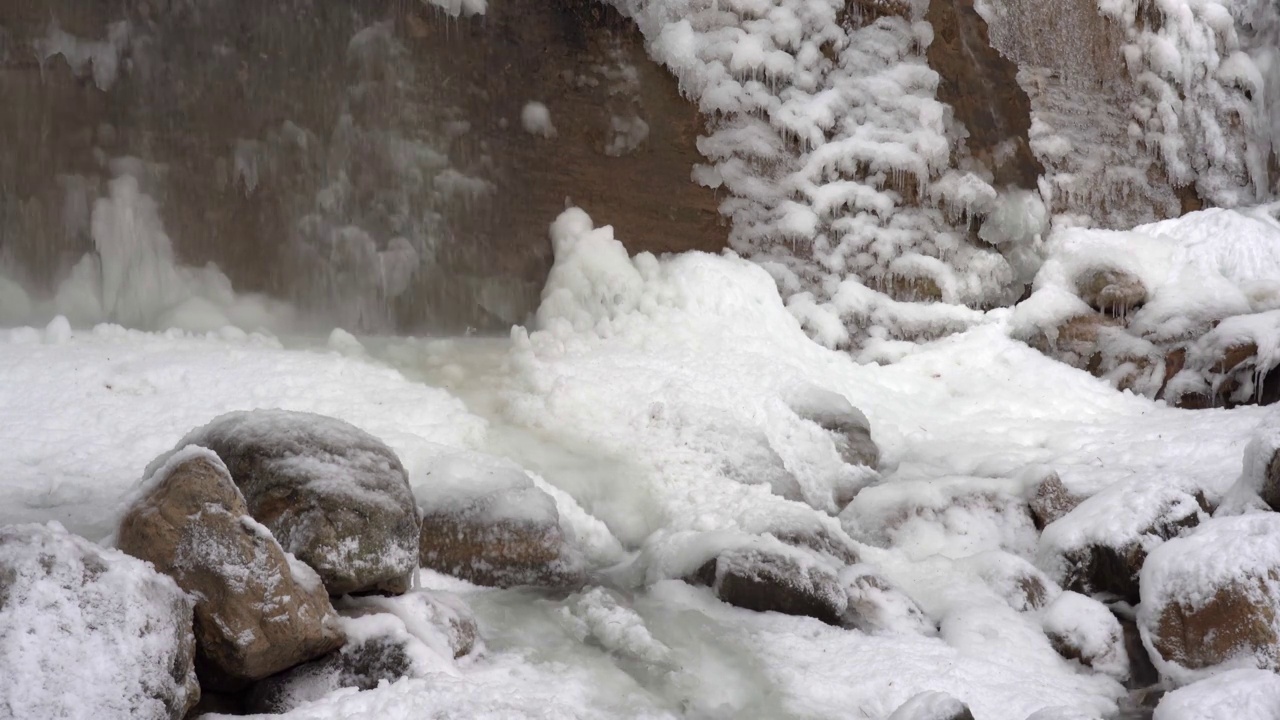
x,y
1231,695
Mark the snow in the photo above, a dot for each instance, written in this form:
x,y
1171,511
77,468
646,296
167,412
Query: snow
x,y
1089,628
87,631
536,119
466,8
1231,695
655,402
929,706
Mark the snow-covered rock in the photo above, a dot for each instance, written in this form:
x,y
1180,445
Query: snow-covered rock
x,y
258,611
332,495
1114,292
875,605
1051,501
932,706
788,583
439,619
848,426
1209,599
1081,628
1258,487
1232,695
379,649
1101,545
485,521
90,632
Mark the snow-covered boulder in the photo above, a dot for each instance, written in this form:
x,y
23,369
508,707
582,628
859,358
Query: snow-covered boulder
x,y
332,495
1258,487
1233,695
258,611
1074,341
1081,628
1210,599
379,648
932,706
1100,546
485,521
87,631
848,426
791,583
439,619
876,606
1022,585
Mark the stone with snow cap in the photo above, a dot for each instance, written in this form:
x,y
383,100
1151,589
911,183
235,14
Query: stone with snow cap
x,y
86,630
332,495
1083,629
485,521
849,427
1210,599
258,611
792,583
932,705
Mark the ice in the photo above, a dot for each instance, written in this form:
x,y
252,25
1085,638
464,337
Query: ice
x,y
98,58
465,8
536,119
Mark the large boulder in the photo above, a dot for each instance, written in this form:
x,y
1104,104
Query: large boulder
x,y
86,630
1210,599
485,521
768,581
333,495
1100,546
258,611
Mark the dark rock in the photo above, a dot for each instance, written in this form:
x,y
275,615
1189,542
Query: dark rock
x,y
332,495
771,582
256,613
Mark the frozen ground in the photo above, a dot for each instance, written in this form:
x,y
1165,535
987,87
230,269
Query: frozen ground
x,y
653,397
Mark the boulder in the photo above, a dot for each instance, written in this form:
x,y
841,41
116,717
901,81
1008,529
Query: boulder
x,y
1232,695
932,706
1075,340
1210,599
257,611
85,629
765,581
1100,546
876,606
848,426
1110,291
1051,501
379,648
485,521
333,495
1258,487
1083,629
440,620
1022,585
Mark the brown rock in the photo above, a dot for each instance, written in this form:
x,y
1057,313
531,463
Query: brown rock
x,y
981,86
1113,292
485,549
1270,490
770,582
917,288
1233,356
1051,501
333,495
1239,618
256,614
1075,341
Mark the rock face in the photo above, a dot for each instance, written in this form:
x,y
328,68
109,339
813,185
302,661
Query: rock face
x,y
769,582
333,495
1210,598
75,616
257,612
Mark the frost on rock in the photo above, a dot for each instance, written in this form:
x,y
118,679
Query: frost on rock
x,y
1231,695
333,495
87,631
258,611
1209,599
